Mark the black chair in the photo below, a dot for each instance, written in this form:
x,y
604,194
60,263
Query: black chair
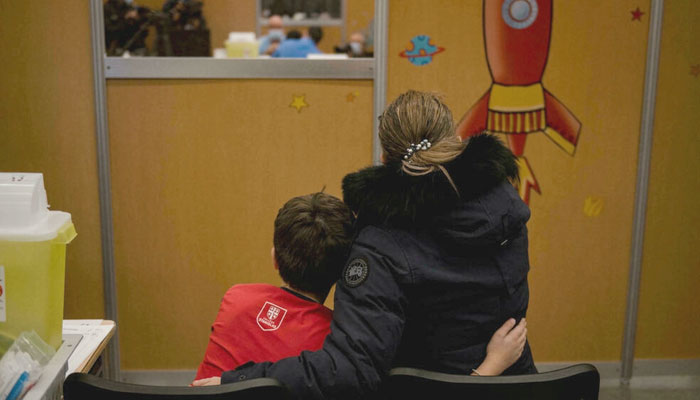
x,y
84,386
578,382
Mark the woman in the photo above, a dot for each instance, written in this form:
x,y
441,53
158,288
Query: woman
x,y
439,262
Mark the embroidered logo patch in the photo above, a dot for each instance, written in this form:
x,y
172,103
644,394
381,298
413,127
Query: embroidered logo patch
x,y
271,316
356,272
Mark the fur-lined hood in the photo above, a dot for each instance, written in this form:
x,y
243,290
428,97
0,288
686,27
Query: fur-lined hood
x,y
385,195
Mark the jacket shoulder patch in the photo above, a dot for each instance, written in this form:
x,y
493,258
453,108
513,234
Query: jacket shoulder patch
x,y
356,272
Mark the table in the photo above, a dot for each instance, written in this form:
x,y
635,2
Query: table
x,y
83,343
96,335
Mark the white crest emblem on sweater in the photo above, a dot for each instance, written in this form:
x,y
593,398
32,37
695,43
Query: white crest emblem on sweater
x,y
271,316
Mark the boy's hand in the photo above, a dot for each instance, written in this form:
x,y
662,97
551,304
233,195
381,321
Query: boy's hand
x,y
504,348
214,380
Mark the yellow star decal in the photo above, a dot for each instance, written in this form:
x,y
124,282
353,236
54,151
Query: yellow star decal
x,y
299,102
593,206
352,96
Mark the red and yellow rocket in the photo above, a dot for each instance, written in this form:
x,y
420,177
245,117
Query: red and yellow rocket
x,y
516,36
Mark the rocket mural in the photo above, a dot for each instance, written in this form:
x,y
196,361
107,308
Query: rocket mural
x,y
516,37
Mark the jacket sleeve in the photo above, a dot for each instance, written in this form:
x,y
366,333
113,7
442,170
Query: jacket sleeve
x,y
367,325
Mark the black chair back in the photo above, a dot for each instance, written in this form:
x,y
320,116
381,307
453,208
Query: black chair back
x,y
84,386
578,382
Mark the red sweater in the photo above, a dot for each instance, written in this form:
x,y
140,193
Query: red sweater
x,y
260,322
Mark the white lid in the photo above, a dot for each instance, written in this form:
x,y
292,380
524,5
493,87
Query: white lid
x,y
220,53
241,37
24,214
326,56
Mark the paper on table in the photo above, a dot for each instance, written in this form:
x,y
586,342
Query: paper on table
x,y
93,334
83,322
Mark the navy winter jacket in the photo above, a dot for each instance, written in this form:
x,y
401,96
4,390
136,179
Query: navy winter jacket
x,y
431,275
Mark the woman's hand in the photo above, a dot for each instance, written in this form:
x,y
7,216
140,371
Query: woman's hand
x,y
214,380
504,348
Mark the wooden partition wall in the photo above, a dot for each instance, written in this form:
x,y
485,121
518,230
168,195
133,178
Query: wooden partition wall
x,y
581,225
47,125
668,322
199,170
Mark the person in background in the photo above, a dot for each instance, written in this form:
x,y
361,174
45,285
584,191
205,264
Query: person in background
x,y
185,15
293,34
355,46
125,28
300,47
275,34
438,264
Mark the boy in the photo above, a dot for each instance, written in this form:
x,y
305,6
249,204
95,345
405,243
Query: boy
x,y
260,322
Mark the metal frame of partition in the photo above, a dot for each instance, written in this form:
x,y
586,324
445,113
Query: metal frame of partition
x,y
381,43
204,68
229,68
104,180
376,69
642,187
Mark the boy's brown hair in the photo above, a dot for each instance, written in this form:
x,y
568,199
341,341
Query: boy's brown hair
x,y
313,234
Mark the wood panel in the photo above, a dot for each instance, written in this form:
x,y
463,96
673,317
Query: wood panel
x,y
668,322
199,171
47,125
596,68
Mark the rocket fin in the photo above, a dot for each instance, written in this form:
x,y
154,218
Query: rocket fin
x,y
474,121
562,126
527,180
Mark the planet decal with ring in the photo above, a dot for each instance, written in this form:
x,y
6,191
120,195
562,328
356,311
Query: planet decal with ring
x,y
422,51
519,14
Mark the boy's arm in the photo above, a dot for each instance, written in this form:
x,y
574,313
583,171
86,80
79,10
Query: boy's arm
x,y
504,348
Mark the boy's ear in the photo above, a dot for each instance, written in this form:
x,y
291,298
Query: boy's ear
x,y
274,259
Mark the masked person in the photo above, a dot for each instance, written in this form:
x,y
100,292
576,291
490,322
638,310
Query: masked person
x,y
275,34
355,47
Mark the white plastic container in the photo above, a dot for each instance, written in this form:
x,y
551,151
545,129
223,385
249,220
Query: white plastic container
x,y
32,260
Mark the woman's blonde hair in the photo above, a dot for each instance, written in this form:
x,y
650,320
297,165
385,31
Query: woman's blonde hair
x,y
411,118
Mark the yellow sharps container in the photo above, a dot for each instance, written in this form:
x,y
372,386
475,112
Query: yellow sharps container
x,y
241,45
32,260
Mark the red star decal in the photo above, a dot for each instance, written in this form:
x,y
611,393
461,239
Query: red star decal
x,y
695,70
637,14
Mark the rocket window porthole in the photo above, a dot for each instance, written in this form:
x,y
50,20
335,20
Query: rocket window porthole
x,y
519,14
